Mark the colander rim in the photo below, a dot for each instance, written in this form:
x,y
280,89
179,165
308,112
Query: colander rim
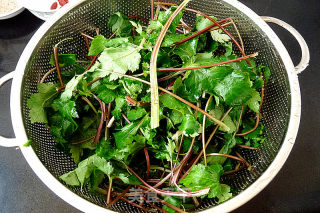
x,y
80,203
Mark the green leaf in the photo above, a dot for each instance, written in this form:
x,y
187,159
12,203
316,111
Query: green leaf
x,y
70,87
171,39
164,16
104,166
137,26
120,59
155,26
39,101
97,45
147,132
70,178
105,149
176,117
187,143
201,177
235,88
228,47
253,102
229,143
132,87
225,193
219,36
266,72
202,22
136,114
172,103
120,104
187,51
96,179
190,126
242,66
218,112
256,137
117,42
76,153
191,88
66,108
126,135
258,83
64,60
105,94
28,143
170,147
62,123
120,23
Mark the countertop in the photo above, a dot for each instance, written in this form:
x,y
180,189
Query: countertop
x,y
296,188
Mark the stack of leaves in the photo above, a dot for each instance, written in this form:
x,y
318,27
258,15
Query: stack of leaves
x,y
102,116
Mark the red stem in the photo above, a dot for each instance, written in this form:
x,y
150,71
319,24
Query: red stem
x,y
56,58
148,162
156,207
120,196
226,155
131,100
93,60
235,170
247,147
125,117
86,41
152,9
170,193
94,81
210,65
177,171
103,111
200,32
167,77
74,143
134,204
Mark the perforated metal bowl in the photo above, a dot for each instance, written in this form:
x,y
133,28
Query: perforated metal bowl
x,y
280,112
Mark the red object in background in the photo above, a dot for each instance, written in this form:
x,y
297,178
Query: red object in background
x,y
63,2
54,6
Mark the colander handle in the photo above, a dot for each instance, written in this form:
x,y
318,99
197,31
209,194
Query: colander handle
x,y
305,54
7,142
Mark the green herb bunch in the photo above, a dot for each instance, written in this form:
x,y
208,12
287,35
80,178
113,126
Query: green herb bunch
x,y
160,106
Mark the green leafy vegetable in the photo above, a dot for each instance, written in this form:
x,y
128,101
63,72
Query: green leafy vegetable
x,y
39,101
120,24
120,59
101,118
64,60
201,177
190,126
218,36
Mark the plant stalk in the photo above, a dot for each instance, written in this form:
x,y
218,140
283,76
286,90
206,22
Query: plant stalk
x,y
155,106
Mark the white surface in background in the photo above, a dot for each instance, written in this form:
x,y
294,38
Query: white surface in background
x,y
40,8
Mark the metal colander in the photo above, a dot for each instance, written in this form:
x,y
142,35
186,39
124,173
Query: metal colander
x,y
280,112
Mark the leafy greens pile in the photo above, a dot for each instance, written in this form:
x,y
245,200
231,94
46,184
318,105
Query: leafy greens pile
x,y
101,117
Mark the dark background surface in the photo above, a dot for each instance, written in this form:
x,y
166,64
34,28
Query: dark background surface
x,y
296,188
